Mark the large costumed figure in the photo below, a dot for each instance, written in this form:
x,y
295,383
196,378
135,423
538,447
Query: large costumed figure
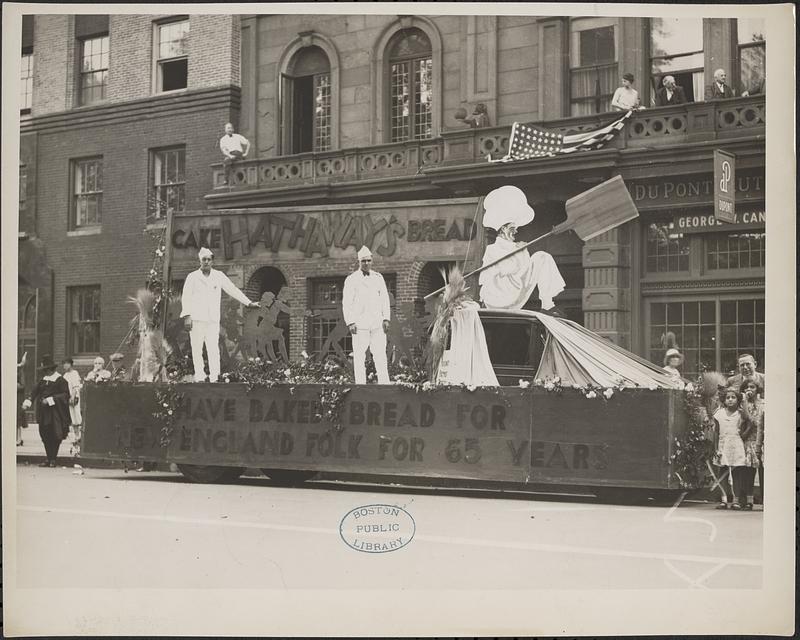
x,y
510,283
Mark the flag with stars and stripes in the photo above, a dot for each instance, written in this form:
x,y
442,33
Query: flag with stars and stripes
x,y
528,142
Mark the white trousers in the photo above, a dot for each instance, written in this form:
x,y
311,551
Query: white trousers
x,y
208,333
375,339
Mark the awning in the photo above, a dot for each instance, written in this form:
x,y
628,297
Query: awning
x,y
32,264
578,356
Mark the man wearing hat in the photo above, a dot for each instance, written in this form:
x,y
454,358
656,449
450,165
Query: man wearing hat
x,y
51,395
366,310
118,371
510,283
202,295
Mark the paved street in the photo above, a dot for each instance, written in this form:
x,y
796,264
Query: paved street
x,y
111,529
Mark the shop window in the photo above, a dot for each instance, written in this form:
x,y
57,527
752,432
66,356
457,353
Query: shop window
x,y
87,192
84,315
752,54
711,333
327,333
168,183
742,331
94,69
735,250
26,82
666,249
594,73
676,49
694,325
307,101
172,55
410,86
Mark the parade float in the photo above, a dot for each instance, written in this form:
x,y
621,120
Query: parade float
x,y
566,408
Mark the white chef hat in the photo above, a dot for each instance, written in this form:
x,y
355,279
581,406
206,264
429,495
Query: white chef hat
x,y
506,204
205,252
364,252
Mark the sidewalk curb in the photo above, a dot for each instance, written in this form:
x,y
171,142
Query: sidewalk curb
x,y
86,463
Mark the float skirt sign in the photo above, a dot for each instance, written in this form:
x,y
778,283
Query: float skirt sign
x,y
724,186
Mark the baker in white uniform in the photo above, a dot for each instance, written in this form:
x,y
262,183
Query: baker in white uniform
x,y
510,283
202,294
365,306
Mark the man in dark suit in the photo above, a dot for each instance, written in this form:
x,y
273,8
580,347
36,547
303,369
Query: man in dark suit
x,y
670,93
718,88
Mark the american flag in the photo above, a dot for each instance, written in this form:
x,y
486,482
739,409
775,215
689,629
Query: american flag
x,y
528,141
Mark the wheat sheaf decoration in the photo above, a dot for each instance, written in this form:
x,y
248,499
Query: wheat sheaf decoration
x,y
453,298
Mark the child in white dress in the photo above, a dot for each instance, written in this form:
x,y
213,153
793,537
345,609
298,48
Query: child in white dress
x,y
732,429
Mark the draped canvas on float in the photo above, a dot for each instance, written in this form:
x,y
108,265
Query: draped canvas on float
x,y
580,357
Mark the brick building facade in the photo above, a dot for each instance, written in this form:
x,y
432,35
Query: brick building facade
x,y
344,110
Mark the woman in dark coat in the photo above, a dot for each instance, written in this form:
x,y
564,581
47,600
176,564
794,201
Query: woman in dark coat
x,y
50,397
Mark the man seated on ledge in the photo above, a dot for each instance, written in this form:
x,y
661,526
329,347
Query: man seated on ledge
x,y
234,147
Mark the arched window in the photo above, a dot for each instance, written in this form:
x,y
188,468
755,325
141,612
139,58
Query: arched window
x,y
306,101
410,86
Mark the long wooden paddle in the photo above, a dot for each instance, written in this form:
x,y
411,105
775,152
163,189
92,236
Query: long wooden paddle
x,y
600,209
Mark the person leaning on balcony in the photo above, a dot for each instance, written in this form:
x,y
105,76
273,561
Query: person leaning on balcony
x,y
670,93
234,147
626,97
719,89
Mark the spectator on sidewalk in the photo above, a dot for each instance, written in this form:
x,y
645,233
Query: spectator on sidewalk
x,y
51,398
234,147
747,372
753,407
673,359
117,373
22,421
98,373
670,93
626,97
73,379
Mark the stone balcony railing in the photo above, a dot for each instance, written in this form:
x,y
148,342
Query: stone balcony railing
x,y
662,126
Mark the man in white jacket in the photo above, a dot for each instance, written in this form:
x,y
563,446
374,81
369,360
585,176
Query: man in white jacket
x,y
365,306
202,294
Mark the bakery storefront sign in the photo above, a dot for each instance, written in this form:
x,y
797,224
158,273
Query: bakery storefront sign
x,y
309,232
705,222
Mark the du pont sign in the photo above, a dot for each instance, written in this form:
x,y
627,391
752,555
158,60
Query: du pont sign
x,y
724,186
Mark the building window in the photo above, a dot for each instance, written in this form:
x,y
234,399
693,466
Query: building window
x,y
306,89
593,65
666,249
26,83
168,183
327,332
84,314
410,86
676,49
694,325
711,333
94,69
87,192
172,47
752,54
735,250
742,329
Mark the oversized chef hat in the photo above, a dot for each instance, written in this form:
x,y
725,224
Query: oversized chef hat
x,y
506,204
363,252
205,253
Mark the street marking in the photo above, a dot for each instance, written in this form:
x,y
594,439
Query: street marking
x,y
449,540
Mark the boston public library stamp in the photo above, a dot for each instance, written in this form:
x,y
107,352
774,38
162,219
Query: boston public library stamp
x,y
377,528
